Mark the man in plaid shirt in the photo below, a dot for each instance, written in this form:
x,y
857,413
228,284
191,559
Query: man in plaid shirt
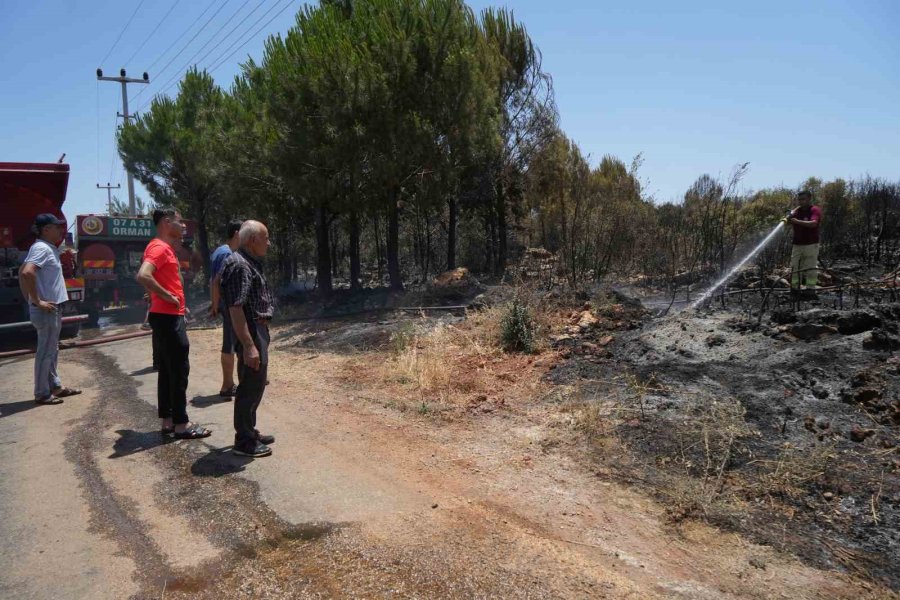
x,y
250,303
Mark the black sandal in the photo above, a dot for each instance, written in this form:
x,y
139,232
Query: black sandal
x,y
194,432
230,393
66,392
166,431
48,401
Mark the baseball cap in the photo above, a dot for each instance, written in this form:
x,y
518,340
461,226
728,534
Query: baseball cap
x,y
45,219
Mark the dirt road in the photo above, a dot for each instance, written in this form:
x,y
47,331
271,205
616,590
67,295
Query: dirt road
x,y
358,500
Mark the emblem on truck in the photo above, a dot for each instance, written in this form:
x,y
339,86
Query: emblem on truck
x,y
92,225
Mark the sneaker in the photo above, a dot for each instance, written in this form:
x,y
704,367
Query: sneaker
x,y
265,439
257,451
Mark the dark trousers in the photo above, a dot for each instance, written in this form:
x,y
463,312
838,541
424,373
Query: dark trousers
x,y
251,387
171,342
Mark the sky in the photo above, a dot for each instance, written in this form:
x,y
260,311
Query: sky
x,y
797,89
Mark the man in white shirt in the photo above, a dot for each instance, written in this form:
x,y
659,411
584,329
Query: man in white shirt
x,y
44,287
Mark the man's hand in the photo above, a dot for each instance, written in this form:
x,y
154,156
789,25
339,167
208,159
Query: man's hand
x,y
172,299
213,311
251,356
46,306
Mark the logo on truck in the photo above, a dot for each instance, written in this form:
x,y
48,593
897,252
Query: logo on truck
x,y
92,225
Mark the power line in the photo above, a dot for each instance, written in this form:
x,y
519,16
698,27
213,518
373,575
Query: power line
x,y
190,41
190,61
121,33
147,39
233,29
187,65
180,37
243,43
252,35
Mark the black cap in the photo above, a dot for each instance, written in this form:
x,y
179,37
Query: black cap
x,y
45,219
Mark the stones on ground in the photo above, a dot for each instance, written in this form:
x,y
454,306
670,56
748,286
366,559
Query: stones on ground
x,y
858,434
857,321
880,340
587,320
820,392
810,331
454,285
715,340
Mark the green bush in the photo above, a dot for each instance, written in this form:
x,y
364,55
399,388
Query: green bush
x,y
517,329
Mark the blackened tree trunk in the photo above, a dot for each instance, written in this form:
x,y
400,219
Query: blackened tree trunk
x,y
451,233
323,252
335,256
393,241
379,258
500,266
354,251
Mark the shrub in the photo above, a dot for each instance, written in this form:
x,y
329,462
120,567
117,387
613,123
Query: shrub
x,y
517,328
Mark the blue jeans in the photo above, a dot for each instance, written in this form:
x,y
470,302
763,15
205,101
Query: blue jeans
x,y
48,326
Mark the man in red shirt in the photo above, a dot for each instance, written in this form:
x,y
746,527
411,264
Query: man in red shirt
x,y
161,277
805,252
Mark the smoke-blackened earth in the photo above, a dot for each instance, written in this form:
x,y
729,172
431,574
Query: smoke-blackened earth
x,y
785,427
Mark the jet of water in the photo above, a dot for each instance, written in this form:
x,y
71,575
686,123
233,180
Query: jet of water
x,y
706,295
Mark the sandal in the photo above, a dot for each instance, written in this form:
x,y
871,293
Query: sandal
x,y
229,393
66,392
48,401
166,431
194,432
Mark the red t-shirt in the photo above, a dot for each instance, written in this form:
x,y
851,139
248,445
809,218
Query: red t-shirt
x,y
805,236
161,255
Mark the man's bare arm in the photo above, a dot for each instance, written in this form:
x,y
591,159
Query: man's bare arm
x,y
28,285
148,281
215,294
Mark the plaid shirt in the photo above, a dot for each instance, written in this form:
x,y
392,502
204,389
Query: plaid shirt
x,y
244,284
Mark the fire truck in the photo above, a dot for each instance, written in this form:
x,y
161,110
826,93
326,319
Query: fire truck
x,y
27,190
110,250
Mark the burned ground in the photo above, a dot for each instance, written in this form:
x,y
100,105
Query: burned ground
x,y
783,428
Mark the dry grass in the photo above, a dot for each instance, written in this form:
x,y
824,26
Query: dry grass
x,y
451,368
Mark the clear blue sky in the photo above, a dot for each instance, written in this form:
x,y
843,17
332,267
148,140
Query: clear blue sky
x,y
795,88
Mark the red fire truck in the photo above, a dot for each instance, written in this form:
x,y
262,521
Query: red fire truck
x,y
110,249
27,190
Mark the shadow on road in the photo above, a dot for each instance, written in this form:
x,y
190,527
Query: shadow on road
x,y
219,461
144,371
11,408
132,442
202,401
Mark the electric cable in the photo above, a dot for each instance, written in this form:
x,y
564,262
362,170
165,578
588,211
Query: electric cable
x,y
121,33
187,65
155,29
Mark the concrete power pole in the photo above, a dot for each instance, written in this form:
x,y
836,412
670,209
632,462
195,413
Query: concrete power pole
x,y
124,80
109,189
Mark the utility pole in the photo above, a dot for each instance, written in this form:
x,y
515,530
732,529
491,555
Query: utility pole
x,y
124,80
108,189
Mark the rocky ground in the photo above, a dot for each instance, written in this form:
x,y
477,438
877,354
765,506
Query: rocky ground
x,y
783,427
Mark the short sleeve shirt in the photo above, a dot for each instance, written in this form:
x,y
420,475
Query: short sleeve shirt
x,y
244,284
51,285
218,258
805,236
168,274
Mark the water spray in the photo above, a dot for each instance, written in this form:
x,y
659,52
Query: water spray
x,y
724,279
